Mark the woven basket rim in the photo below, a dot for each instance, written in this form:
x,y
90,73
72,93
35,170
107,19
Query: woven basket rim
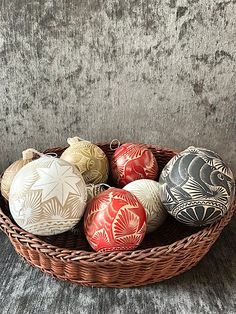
x,y
80,254
83,255
25,238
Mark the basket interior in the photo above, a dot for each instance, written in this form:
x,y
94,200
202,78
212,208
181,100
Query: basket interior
x,y
168,233
75,239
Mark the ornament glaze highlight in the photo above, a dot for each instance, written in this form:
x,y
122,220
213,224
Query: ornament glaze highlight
x,y
197,187
132,162
90,159
148,193
47,196
115,221
12,170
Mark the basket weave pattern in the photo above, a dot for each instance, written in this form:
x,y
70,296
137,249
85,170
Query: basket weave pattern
x,y
169,251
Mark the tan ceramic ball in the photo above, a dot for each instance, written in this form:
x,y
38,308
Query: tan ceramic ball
x,y
91,161
148,193
12,170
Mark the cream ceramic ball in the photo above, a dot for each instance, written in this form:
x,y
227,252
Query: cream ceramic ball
x,y
47,196
148,191
89,159
12,170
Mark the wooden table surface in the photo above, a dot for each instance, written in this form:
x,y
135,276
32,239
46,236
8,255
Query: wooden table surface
x,y
210,287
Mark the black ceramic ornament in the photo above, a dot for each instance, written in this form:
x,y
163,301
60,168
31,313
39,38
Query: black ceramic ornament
x,y
197,187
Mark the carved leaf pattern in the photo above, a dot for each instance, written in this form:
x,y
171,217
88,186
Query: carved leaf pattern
x,y
125,223
194,217
131,240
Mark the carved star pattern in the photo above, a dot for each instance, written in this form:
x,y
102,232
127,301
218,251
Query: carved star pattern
x,y
57,181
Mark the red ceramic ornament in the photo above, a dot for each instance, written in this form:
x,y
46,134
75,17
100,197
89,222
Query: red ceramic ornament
x,y
132,162
115,221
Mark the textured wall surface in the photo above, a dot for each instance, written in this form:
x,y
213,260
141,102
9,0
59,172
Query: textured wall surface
x,y
157,71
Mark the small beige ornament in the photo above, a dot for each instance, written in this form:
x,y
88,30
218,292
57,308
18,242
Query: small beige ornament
x,y
148,191
47,196
95,189
11,171
88,158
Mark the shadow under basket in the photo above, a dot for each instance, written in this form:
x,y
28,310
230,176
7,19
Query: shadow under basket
x,y
171,250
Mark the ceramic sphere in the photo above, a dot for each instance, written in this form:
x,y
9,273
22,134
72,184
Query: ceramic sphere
x,y
12,170
89,159
95,189
115,221
197,187
148,193
47,196
132,162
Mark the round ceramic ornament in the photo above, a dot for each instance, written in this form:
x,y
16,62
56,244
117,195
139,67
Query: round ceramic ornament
x,y
148,193
95,189
88,158
197,187
132,162
47,196
12,170
115,221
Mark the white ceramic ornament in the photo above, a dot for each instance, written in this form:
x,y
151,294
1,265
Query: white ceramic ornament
x,y
47,196
148,191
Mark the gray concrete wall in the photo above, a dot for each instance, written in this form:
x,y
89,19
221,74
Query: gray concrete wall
x,y
154,71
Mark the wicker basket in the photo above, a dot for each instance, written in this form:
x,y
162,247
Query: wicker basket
x,y
171,250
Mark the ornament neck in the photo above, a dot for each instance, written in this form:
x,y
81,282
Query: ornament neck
x,y
29,153
72,141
